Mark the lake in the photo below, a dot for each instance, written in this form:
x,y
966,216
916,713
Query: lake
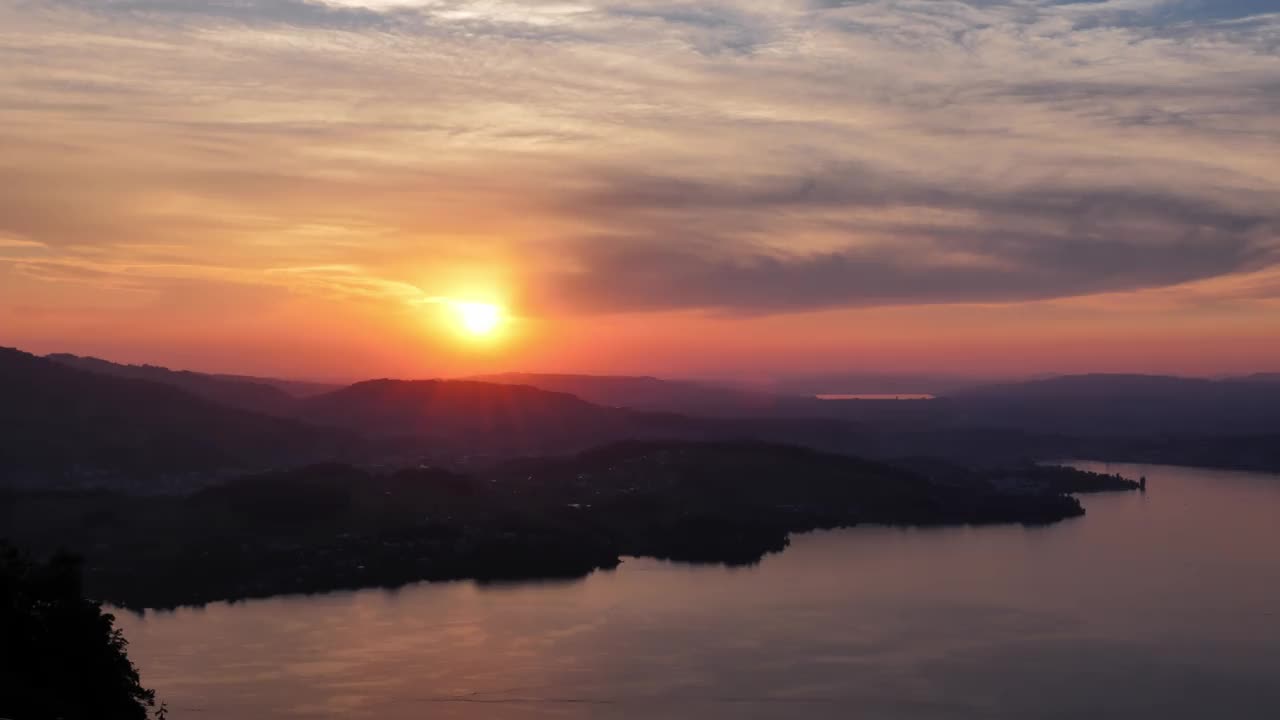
x,y
1158,605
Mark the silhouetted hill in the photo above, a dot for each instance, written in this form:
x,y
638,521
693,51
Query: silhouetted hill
x,y
296,388
1121,405
503,420
240,392
61,425
707,400
1257,377
67,426
1260,452
478,417
675,396
874,383
335,526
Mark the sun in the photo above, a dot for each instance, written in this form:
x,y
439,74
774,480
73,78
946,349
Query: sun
x,y
477,318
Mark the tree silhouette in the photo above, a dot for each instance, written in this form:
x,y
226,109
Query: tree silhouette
x,y
61,657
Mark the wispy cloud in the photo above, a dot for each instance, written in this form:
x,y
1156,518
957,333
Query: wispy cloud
x,y
745,157
8,241
308,14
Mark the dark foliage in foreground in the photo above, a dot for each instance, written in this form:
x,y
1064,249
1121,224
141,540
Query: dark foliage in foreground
x,y
60,655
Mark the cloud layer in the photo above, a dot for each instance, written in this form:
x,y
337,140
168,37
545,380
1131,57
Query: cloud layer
x,y
742,157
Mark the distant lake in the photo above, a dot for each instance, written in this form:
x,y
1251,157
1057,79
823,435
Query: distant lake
x,y
874,396
1163,605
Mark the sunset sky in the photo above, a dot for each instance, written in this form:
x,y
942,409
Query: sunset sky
x,y
732,188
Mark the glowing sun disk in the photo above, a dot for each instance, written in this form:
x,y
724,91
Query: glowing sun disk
x,y
478,318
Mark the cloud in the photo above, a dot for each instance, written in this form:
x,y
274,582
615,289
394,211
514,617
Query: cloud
x,y
710,28
746,157
847,187
542,21
9,241
858,236
298,13
1087,244
624,277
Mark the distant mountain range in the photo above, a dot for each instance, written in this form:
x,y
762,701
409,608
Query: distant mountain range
x,y
244,393
874,383
477,417
73,420
1119,404
68,423
78,421
679,396
251,393
1257,377
1123,405
1097,404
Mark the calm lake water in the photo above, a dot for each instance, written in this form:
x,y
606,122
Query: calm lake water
x,y
1163,605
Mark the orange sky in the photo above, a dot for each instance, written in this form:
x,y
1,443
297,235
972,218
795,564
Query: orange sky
x,y
731,189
